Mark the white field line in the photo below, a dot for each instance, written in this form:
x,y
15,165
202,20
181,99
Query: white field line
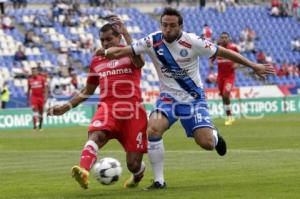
x,y
167,151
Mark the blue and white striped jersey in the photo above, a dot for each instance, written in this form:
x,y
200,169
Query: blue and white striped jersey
x,y
177,63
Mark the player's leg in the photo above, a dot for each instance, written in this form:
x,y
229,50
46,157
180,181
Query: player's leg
x,y
40,111
34,106
209,139
101,124
97,140
200,127
157,125
136,166
134,140
35,116
228,85
3,104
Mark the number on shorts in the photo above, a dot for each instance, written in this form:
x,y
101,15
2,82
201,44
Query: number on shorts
x,y
198,118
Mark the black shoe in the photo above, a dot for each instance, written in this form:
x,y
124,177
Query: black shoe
x,y
156,185
221,147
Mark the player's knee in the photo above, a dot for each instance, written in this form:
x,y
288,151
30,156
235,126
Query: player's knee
x,y
207,145
134,166
153,131
98,137
206,142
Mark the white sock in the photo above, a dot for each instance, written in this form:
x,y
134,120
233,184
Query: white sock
x,y
215,134
93,144
156,153
141,169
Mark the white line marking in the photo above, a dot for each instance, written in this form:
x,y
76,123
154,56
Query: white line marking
x,y
167,151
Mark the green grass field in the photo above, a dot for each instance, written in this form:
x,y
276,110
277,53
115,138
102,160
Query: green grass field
x,y
263,162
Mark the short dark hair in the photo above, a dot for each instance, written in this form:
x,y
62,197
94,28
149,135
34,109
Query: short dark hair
x,y
225,33
172,11
108,27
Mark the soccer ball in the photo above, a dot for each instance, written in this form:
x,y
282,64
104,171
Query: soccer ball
x,y
107,171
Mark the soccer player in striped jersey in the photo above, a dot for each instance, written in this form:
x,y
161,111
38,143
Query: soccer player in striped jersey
x,y
174,54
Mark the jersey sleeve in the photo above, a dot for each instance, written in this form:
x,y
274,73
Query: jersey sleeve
x,y
92,77
203,47
142,45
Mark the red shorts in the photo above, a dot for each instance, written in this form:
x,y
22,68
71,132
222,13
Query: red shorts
x,y
126,123
225,85
37,103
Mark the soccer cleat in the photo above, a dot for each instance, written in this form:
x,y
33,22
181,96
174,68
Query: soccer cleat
x,y
221,147
156,186
229,121
81,176
134,180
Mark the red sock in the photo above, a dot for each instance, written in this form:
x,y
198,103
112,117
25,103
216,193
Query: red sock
x,y
88,155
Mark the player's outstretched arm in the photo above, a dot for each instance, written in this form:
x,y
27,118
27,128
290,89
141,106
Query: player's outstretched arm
x,y
115,52
120,27
80,97
259,69
138,60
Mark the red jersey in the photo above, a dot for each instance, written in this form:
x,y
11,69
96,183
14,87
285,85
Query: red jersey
x,y
118,79
225,66
295,4
37,85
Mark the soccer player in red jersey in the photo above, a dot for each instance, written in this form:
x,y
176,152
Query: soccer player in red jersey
x,y
226,75
120,113
37,96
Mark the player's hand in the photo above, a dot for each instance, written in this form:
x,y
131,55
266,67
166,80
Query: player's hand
x,y
263,69
118,24
58,110
110,53
100,52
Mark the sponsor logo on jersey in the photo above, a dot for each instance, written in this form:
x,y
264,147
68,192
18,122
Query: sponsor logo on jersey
x,y
160,51
169,73
183,52
112,63
119,71
182,60
36,84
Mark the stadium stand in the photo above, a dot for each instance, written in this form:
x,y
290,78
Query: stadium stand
x,y
274,37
